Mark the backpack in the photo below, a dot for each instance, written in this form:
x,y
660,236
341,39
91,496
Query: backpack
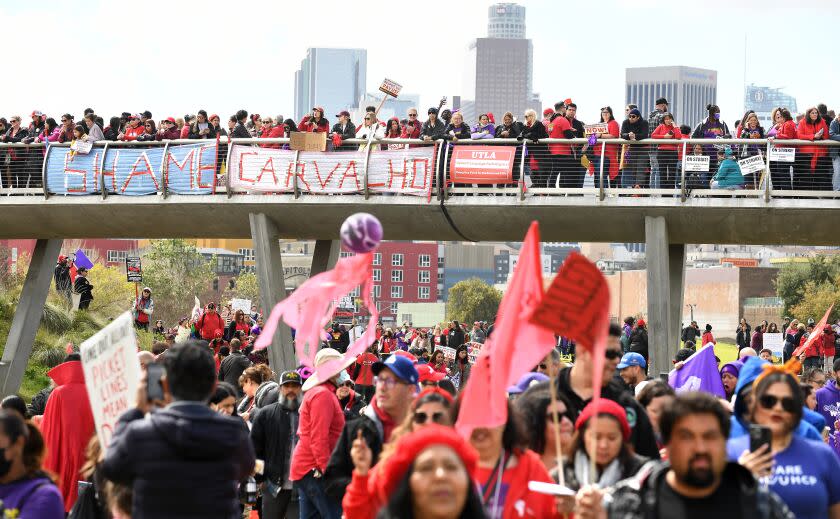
x,y
87,505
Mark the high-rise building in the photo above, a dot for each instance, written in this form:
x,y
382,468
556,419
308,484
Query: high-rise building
x,y
499,69
332,78
688,91
763,100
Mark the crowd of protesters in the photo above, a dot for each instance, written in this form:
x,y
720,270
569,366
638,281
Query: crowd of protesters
x,y
547,165
373,435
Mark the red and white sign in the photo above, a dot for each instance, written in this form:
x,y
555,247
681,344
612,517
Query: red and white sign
x,y
392,88
482,164
589,129
409,172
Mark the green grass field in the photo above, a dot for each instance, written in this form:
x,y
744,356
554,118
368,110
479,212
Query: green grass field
x,y
726,352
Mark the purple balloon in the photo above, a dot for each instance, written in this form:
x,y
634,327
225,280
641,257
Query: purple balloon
x,y
361,232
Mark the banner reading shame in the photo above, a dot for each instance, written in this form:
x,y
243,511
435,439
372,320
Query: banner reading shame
x,y
187,169
270,170
112,373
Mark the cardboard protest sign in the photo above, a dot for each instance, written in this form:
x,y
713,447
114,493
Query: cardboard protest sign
x,y
782,154
752,164
392,88
589,129
112,373
775,343
133,269
241,304
696,163
448,353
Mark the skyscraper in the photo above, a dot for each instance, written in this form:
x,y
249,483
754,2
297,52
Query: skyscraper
x,y
688,91
332,78
763,100
499,69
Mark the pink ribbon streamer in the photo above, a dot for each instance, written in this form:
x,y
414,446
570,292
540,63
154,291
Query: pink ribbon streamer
x,y
310,308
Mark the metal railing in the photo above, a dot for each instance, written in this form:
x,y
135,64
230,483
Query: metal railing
x,y
572,167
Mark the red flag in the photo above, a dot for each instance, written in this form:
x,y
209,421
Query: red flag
x,y
817,333
72,272
576,306
515,347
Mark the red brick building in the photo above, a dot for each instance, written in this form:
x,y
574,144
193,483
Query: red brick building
x,y
403,272
108,252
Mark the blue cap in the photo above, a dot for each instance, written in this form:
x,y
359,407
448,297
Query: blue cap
x,y
401,366
632,359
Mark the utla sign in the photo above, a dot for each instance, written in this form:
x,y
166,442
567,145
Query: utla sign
x,y
482,164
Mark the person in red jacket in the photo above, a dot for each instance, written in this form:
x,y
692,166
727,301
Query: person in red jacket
x,y
563,162
209,322
168,130
413,128
828,349
667,154
707,335
67,426
812,169
783,128
364,373
272,129
133,129
812,355
319,427
314,122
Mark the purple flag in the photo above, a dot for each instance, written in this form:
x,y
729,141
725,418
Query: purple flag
x,y
82,260
699,373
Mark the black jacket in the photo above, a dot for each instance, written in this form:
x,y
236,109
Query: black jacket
x,y
690,333
62,277
463,132
435,131
455,337
271,434
641,436
232,367
182,461
639,128
349,130
637,497
340,467
239,131
742,338
639,341
82,286
514,130
352,406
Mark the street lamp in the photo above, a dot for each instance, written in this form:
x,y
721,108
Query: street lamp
x,y
691,308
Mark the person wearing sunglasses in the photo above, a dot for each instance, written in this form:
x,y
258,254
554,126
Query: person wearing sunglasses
x,y
539,415
576,383
804,473
149,131
370,130
396,383
431,407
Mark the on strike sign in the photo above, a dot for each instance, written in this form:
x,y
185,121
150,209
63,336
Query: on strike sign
x,y
112,372
482,164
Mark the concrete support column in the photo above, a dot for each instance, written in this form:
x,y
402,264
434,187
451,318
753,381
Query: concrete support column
x,y
28,314
325,256
269,269
665,280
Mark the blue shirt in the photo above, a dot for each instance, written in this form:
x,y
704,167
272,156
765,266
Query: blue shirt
x,y
806,475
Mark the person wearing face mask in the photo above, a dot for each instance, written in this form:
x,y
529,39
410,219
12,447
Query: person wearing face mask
x,y
274,437
26,491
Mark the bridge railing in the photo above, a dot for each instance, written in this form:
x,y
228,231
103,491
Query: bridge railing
x,y
605,168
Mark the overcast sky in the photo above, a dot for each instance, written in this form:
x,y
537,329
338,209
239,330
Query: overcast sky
x,y
176,56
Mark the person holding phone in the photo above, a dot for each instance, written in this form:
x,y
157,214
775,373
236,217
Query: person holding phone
x,y
804,473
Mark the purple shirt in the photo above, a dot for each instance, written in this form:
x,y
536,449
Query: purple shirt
x,y
36,498
828,403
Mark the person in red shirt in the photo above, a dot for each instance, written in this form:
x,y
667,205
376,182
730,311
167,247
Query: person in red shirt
x,y
133,129
783,128
438,362
413,128
812,169
611,170
320,424
707,335
667,154
209,322
563,162
828,349
314,122
238,323
364,373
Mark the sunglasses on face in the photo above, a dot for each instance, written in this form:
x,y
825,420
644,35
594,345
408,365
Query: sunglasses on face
x,y
612,354
565,414
543,366
412,115
770,401
633,117
420,417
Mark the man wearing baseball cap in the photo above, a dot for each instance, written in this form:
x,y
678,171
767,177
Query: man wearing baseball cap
x,y
344,129
428,376
274,434
321,423
632,368
396,384
168,130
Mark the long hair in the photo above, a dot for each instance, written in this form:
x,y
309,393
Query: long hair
x,y
608,109
400,505
407,425
533,404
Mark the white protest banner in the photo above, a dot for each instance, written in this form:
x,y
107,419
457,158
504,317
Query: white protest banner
x,y
589,129
752,164
112,373
410,171
696,163
392,88
448,353
241,304
782,154
775,343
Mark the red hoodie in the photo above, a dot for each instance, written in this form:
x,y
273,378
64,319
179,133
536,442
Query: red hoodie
x,y
320,424
272,133
208,324
662,130
67,428
808,132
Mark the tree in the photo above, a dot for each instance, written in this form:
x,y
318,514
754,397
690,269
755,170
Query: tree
x,y
112,294
473,300
245,286
818,297
176,272
792,283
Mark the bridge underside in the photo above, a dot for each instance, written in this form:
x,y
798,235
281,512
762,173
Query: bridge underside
x,y
478,218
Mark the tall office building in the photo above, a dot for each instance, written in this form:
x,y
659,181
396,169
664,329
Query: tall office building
x,y
688,91
332,78
499,69
763,100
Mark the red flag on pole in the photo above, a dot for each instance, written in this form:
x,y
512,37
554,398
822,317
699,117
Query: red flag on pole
x,y
515,347
817,333
576,306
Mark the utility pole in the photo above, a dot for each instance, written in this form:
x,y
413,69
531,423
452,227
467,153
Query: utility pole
x,y
691,309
